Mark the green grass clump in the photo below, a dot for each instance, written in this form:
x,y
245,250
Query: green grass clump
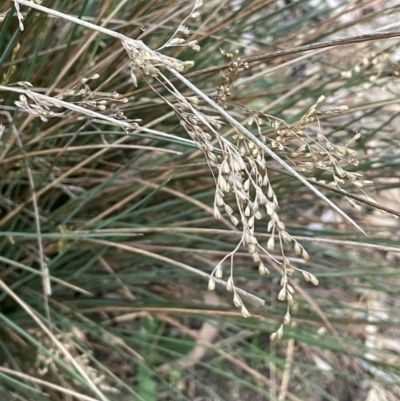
x,y
184,183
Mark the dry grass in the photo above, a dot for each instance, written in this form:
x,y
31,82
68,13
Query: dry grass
x,y
123,140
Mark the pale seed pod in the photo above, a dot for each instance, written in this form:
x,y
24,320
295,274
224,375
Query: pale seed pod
x,y
271,243
241,195
270,208
218,271
251,221
357,207
270,192
234,220
286,237
252,164
193,100
290,288
314,280
176,41
286,263
245,312
228,209
247,237
307,276
222,182
217,214
280,225
262,269
211,284
282,294
219,200
286,320
253,240
237,301
229,284
252,248
225,167
261,197
279,333
236,166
